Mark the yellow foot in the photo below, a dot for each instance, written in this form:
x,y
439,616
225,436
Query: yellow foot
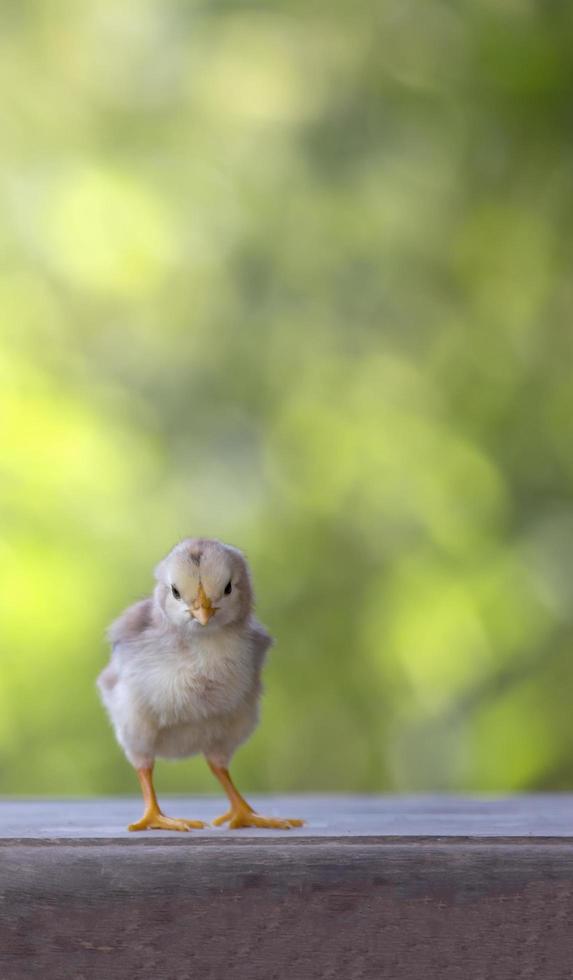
x,y
245,817
158,821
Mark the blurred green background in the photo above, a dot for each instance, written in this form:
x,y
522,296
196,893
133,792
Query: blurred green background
x,y
297,276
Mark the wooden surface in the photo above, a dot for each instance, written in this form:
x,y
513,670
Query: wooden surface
x,y
400,888
549,815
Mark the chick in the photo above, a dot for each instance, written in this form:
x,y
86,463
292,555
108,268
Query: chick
x,y
184,675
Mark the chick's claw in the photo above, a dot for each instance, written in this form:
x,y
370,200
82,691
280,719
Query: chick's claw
x,y
225,818
238,819
158,821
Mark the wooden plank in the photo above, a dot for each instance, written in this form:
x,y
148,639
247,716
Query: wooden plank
x,y
543,815
459,889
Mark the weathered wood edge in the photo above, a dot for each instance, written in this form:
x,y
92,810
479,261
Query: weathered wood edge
x,y
223,842
358,907
161,871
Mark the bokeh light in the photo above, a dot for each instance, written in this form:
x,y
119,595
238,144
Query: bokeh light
x,y
297,277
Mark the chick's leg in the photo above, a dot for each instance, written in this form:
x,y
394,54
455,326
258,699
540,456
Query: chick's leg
x,y
153,818
241,813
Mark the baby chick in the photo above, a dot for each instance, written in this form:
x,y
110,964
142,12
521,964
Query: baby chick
x,y
184,674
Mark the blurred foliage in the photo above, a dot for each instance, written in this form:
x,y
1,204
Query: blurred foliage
x,y
298,277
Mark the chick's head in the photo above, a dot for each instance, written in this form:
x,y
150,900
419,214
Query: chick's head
x,y
204,583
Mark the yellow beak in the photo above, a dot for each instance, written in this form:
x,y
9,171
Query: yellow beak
x,y
202,610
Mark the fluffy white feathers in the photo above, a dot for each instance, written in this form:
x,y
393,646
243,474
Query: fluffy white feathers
x,y
175,687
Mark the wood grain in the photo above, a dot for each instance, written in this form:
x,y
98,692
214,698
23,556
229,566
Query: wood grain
x,y
495,903
525,816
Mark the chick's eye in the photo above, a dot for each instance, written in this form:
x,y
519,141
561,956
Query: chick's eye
x,y
228,588
176,592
